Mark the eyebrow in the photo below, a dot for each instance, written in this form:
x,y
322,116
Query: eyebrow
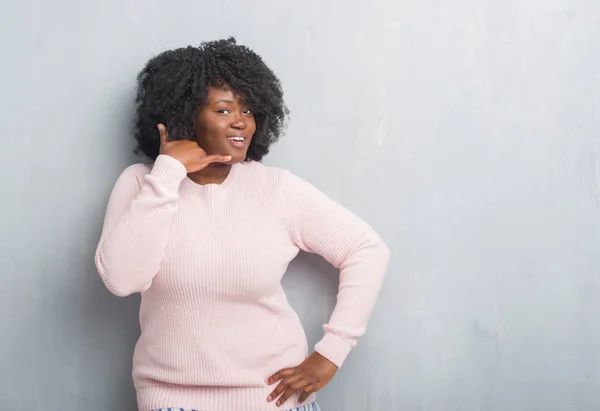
x,y
242,103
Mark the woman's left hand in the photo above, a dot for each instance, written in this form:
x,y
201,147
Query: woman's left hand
x,y
310,376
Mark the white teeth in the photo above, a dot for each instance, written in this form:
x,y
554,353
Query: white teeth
x,y
236,138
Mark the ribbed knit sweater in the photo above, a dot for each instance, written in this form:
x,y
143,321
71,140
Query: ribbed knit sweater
x,y
208,261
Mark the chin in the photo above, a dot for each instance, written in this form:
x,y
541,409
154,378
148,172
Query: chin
x,y
237,158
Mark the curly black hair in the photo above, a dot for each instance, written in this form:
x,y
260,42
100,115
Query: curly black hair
x,y
174,85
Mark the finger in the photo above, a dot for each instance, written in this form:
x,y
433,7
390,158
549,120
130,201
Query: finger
x,y
216,158
276,392
300,384
285,396
164,135
286,372
293,379
305,393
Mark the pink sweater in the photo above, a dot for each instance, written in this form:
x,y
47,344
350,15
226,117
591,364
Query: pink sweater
x,y
208,261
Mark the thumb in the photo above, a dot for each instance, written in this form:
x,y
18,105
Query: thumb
x,y
164,135
216,158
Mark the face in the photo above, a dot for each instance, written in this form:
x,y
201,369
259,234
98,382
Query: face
x,y
224,125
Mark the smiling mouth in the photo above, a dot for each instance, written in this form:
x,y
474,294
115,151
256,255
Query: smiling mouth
x,y
237,141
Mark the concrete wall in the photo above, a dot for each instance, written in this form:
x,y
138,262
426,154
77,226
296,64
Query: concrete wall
x,y
466,132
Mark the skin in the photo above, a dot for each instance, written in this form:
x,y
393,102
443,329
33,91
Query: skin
x,y
209,157
208,160
310,376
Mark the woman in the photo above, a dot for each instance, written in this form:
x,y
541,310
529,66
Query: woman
x,y
206,233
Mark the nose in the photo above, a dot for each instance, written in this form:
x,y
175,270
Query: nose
x,y
239,122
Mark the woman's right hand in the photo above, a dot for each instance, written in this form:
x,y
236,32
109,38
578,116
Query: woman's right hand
x,y
187,152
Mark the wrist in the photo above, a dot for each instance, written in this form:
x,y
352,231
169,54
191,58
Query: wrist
x,y
325,360
334,348
169,170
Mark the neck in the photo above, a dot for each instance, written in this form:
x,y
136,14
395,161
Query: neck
x,y
214,173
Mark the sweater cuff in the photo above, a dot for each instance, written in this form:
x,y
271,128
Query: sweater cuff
x,y
169,171
333,348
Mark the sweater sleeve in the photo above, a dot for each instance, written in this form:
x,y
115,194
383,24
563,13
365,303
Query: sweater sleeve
x,y
319,225
136,227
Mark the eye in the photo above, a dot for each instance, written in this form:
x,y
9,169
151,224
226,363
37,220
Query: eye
x,y
248,111
223,111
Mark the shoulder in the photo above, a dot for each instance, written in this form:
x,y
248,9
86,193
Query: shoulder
x,y
139,168
260,173
135,173
275,180
279,179
277,174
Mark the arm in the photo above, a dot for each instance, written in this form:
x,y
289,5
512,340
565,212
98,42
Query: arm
x,y
136,226
319,225
140,211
